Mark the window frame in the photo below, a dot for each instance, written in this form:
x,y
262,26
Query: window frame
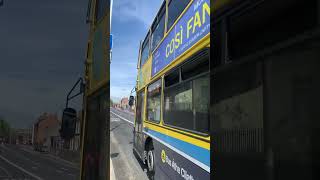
x,y
161,98
142,113
89,12
181,81
96,18
146,40
169,28
161,14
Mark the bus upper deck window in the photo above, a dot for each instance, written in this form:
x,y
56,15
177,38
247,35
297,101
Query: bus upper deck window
x,y
175,8
158,28
145,50
101,8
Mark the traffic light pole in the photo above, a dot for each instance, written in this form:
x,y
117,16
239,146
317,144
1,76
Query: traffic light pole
x,y
80,80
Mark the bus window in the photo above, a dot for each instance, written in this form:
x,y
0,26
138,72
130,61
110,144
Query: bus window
x,y
154,99
89,11
172,78
101,8
158,29
175,8
198,66
140,107
145,51
238,109
186,102
186,105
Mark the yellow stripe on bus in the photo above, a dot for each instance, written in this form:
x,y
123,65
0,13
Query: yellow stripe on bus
x,y
182,137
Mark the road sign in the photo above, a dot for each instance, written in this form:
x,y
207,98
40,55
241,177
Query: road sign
x,y
111,41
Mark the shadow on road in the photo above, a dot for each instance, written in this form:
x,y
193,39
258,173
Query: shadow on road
x,y
114,155
143,166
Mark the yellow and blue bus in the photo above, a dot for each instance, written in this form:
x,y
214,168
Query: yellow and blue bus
x,y
94,132
171,128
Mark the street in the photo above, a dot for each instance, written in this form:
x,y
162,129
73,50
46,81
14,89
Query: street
x,y
21,162
125,164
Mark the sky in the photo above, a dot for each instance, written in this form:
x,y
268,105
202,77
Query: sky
x,y
42,51
130,23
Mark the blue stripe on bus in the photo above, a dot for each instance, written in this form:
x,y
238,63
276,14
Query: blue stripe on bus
x,y
198,153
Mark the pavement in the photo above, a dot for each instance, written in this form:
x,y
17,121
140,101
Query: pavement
x,y
21,162
125,163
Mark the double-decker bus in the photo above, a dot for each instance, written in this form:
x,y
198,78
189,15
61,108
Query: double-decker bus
x,y
264,89
171,128
94,132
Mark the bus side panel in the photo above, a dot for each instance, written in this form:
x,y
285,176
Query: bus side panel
x,y
171,165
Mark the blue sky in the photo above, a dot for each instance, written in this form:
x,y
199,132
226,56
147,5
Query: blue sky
x,y
130,23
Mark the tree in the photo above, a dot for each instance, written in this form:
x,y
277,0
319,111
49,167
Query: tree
x,y
111,103
4,128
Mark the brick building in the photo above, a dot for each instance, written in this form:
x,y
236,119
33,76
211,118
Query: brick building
x,y
46,127
124,103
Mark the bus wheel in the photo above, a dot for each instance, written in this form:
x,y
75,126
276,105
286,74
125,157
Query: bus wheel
x,y
150,159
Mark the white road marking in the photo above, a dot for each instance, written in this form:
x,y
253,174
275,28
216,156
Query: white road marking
x,y
20,168
122,118
64,169
33,162
115,119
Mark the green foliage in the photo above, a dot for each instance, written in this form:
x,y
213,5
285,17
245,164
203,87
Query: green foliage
x,y
4,128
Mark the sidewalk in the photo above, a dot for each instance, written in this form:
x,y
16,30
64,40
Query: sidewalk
x,y
112,175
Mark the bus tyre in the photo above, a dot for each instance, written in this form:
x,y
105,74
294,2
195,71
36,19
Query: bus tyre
x,y
150,160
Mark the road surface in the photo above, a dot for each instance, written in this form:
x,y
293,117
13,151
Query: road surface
x,y
125,164
21,162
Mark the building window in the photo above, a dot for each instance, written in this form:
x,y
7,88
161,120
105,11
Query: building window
x,y
154,101
175,8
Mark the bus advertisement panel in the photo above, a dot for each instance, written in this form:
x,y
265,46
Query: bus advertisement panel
x,y
190,29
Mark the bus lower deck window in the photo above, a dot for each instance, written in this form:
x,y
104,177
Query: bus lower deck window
x,y
186,105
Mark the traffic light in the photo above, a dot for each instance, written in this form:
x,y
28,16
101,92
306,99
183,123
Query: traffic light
x,y
1,2
68,125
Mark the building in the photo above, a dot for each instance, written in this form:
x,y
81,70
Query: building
x,y
124,103
46,127
23,136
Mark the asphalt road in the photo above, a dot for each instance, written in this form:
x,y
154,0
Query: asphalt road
x,y
21,162
125,163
